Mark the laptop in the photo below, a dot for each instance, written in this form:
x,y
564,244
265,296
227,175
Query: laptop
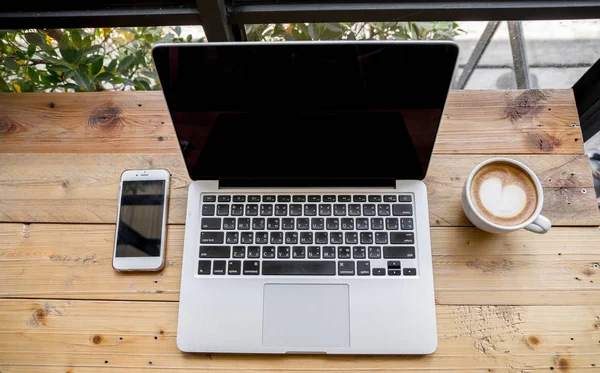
x,y
307,227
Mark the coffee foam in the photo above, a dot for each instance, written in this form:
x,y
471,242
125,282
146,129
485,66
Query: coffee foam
x,y
503,194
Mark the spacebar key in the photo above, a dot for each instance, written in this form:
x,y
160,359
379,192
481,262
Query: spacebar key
x,y
298,267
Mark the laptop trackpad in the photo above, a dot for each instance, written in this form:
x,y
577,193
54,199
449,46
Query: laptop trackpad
x,y
306,316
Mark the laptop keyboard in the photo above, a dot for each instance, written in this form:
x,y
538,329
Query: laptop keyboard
x,y
307,235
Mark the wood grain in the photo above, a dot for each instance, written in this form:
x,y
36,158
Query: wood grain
x,y
470,267
485,122
84,188
101,334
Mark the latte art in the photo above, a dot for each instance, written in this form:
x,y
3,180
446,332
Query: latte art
x,y
503,194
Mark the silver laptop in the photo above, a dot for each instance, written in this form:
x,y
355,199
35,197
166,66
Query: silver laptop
x,y
307,227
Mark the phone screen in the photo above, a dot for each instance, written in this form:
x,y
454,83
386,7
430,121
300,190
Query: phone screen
x,y
141,218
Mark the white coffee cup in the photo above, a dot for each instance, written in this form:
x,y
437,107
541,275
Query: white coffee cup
x,y
535,223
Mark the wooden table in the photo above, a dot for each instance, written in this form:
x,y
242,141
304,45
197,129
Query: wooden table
x,y
515,303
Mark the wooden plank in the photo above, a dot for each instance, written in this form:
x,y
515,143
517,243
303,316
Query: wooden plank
x,y
84,188
150,369
487,122
470,266
101,334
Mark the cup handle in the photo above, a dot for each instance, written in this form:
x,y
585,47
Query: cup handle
x,y
541,224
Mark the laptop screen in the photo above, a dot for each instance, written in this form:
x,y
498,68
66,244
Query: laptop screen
x,y
306,114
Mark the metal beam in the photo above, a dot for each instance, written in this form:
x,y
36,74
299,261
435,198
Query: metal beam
x,y
480,47
213,14
519,53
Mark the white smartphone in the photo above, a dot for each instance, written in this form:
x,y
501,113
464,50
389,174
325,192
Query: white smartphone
x,y
141,221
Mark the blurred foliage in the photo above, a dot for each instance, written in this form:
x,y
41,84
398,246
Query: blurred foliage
x,y
85,60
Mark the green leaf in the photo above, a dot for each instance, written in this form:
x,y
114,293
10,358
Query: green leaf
x,y
30,50
27,86
125,64
351,36
11,64
76,38
33,74
21,55
178,30
67,51
96,63
51,79
3,86
54,68
71,86
117,80
87,41
189,38
112,65
104,77
150,74
34,38
313,31
48,49
92,49
142,84
127,81
83,81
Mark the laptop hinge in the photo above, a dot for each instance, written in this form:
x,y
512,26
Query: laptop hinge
x,y
307,183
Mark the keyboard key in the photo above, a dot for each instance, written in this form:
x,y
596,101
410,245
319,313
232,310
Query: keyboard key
x,y
332,223
273,224
211,237
374,252
381,237
237,209
284,198
295,210
299,198
321,238
366,238
251,267
389,198
306,238
219,267
328,252
243,224
328,198
239,252
239,198
299,252
310,209
204,267
314,198
253,251
302,223
377,224
405,198
391,224
261,238
402,238
398,252
232,237
253,198
359,252
209,198
378,271
339,210
344,198
276,238
280,210
222,210
410,271
251,209
208,210
266,209
224,199
383,210
288,223
210,223
362,223
283,252
353,209
369,209
268,199
344,252
317,223
258,224
314,252
351,238
347,223
229,223
406,224
363,268
346,268
291,238
402,209
374,198
215,252
393,264
336,238
247,238
299,267
325,209
394,272
234,267
359,198
268,252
